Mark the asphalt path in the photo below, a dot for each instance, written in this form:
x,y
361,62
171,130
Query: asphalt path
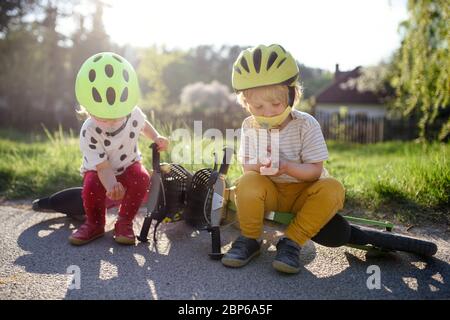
x,y
37,262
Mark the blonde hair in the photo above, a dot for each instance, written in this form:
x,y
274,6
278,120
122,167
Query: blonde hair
x,y
275,92
82,113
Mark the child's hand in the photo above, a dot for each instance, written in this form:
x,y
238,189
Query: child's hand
x,y
281,168
117,192
162,143
268,171
266,168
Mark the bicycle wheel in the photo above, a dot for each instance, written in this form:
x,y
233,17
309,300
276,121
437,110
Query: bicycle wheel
x,y
391,241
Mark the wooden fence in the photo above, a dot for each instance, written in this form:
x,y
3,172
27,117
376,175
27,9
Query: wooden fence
x,y
363,129
350,127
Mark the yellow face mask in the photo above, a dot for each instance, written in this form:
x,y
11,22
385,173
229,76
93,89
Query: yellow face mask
x,y
273,122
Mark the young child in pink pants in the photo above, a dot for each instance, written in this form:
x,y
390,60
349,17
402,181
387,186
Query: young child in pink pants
x,y
107,90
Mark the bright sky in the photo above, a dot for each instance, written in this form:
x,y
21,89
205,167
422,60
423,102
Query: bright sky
x,y
319,33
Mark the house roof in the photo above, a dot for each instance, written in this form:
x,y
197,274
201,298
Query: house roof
x,y
340,92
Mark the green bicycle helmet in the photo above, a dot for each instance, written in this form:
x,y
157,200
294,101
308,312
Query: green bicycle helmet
x,y
263,66
107,86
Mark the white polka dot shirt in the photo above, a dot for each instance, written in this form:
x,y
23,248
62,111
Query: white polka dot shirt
x,y
121,149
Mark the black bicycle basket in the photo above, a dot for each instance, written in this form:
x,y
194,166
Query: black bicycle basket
x,y
198,207
176,180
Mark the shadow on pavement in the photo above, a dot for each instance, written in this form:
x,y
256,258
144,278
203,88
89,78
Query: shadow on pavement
x,y
181,269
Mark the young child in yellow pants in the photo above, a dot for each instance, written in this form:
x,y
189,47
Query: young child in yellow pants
x,y
282,152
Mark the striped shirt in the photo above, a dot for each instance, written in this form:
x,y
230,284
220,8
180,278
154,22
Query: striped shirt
x,y
301,141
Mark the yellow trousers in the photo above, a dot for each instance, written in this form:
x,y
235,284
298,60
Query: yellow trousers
x,y
313,203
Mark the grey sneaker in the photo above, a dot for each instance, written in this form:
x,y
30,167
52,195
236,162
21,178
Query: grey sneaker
x,y
242,251
287,259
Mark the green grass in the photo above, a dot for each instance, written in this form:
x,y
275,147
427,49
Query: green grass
x,y
35,166
407,180
399,181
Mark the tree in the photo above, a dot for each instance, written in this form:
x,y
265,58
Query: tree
x,y
213,104
88,42
154,63
313,80
33,73
11,12
212,98
422,66
18,77
34,83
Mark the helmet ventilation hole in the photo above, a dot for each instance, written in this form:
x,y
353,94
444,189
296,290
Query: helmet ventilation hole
x,y
257,59
244,64
92,75
273,56
237,70
124,95
281,62
96,95
117,58
97,58
109,70
110,96
126,76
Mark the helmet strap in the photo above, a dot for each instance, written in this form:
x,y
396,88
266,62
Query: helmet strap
x,y
112,134
291,96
